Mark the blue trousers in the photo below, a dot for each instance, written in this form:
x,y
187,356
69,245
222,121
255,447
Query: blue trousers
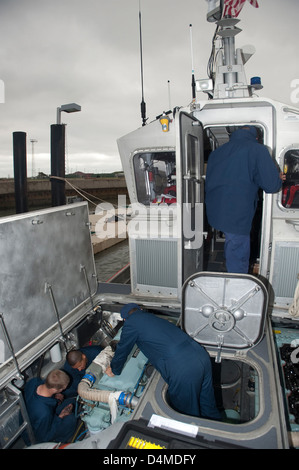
x,y
237,253
190,382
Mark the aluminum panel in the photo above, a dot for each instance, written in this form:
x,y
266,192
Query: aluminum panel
x,y
46,261
156,262
285,270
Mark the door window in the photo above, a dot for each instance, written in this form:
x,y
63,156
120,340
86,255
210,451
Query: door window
x,y
155,177
290,187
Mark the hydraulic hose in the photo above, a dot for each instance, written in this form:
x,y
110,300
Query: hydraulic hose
x,y
88,393
93,374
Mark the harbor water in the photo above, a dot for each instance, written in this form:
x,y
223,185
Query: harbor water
x,y
111,260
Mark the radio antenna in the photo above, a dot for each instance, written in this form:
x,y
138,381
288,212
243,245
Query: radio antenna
x,y
193,84
169,99
142,105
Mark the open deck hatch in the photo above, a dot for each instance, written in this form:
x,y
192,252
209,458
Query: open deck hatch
x,y
224,311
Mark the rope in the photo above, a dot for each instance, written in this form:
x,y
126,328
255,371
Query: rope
x,y
81,191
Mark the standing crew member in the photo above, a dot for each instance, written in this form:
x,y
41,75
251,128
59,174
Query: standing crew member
x,y
182,362
235,172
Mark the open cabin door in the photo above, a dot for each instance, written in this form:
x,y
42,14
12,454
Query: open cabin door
x,y
190,158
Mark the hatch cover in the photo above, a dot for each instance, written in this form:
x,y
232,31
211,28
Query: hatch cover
x,y
47,273
225,311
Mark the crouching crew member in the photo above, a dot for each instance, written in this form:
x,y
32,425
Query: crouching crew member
x,y
51,417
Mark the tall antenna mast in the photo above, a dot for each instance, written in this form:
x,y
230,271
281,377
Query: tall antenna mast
x,y
142,105
193,84
169,99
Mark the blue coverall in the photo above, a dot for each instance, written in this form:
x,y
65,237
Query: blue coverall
x,y
235,172
76,375
182,362
43,414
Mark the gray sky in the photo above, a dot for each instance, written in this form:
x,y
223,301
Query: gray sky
x,y
54,52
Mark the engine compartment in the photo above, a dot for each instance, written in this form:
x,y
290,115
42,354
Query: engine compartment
x,y
242,392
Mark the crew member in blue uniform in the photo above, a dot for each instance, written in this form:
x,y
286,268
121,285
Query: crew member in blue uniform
x,y
77,361
51,417
182,362
235,172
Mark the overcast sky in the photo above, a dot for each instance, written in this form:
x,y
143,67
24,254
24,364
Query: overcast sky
x,y
54,52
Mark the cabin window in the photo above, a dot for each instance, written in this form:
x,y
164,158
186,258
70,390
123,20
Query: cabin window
x,y
155,175
290,187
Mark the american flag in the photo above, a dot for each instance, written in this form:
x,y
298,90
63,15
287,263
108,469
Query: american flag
x,y
233,7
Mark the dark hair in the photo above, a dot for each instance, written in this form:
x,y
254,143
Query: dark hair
x,y
73,357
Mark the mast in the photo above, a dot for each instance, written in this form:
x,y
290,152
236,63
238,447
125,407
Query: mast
x,y
142,104
227,78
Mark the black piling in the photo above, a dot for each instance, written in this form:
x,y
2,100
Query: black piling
x,y
20,171
58,164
